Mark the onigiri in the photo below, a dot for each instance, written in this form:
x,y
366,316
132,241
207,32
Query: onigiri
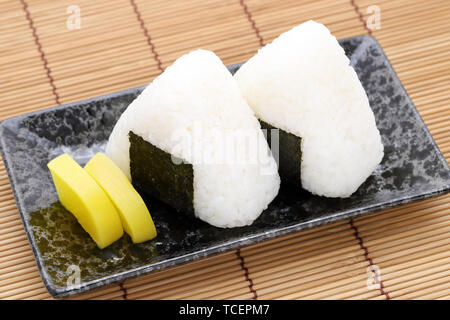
x,y
302,84
191,140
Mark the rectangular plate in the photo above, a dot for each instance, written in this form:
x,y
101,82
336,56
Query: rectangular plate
x,y
413,168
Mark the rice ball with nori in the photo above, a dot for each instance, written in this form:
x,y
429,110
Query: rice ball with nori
x,y
302,83
191,140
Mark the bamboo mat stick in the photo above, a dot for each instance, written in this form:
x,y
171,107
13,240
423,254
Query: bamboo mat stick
x,y
425,61
202,27
259,7
9,213
293,252
429,83
180,291
405,245
436,295
445,116
396,23
19,279
10,203
228,294
11,290
362,295
417,276
11,224
30,293
5,218
8,207
241,294
428,219
401,53
205,278
435,111
111,291
205,287
416,47
25,266
17,285
211,262
304,241
339,22
417,290
311,233
311,258
334,284
414,249
408,79
245,295
300,279
403,259
393,212
359,293
166,30
282,251
11,230
15,257
405,266
13,236
415,232
41,296
14,272
287,266
311,11
116,295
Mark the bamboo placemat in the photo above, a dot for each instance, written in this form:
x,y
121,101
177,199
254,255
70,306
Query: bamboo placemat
x,y
126,43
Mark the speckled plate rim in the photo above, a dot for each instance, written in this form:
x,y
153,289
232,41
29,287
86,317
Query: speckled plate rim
x,y
61,292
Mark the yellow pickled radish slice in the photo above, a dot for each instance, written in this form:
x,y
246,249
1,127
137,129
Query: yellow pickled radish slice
x,y
86,200
136,219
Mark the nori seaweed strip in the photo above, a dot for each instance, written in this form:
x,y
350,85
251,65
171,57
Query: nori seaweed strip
x,y
289,154
153,172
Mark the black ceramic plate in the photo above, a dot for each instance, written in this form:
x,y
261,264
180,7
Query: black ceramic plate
x,y
412,169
